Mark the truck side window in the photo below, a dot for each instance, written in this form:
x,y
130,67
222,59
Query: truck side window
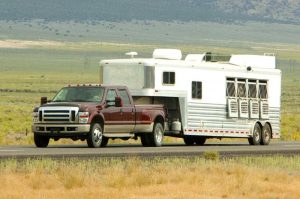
x,y
124,96
169,78
111,94
197,90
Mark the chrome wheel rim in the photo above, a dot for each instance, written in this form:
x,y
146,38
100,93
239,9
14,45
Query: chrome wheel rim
x,y
256,134
97,135
267,134
158,135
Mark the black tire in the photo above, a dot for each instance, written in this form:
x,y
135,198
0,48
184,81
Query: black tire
x,y
95,136
144,140
104,142
256,137
41,141
156,137
266,134
189,140
200,140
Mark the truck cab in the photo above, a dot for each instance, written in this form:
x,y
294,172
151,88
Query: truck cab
x,y
97,113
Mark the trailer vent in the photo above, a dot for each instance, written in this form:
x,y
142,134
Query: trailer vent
x,y
264,110
243,107
254,109
232,108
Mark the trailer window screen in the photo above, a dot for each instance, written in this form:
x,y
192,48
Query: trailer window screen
x,y
263,92
230,92
168,77
252,90
242,89
197,90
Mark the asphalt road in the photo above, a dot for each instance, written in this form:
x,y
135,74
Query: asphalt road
x,y
173,150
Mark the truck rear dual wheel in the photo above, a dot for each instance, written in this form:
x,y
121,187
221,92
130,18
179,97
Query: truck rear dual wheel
x,y
41,141
95,137
194,140
155,138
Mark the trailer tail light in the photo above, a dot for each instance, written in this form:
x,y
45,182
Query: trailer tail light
x,y
83,117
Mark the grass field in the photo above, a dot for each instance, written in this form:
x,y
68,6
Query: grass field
x,y
203,177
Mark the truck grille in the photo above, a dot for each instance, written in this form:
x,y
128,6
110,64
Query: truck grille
x,y
58,115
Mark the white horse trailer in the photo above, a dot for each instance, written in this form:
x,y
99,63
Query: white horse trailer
x,y
239,98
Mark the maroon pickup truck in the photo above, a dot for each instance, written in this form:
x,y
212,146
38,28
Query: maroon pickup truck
x,y
97,113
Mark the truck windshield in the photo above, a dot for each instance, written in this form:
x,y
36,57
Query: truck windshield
x,y
79,94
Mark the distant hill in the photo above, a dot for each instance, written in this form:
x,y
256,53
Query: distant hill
x,y
223,11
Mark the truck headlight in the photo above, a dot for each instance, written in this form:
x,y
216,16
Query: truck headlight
x,y
83,117
35,117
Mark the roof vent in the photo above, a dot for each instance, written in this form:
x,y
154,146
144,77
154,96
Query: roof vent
x,y
173,54
131,54
195,57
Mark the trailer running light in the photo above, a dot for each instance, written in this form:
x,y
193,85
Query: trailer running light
x,y
83,117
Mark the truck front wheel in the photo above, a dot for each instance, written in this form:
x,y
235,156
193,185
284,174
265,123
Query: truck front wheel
x,y
95,136
41,141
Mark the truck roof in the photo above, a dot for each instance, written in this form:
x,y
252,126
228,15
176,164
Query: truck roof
x,y
97,85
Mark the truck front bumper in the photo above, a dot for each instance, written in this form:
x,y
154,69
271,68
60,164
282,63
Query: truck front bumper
x,y
61,129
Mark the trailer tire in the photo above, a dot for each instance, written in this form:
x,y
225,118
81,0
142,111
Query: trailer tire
x,y
256,137
41,141
200,140
95,136
266,134
189,140
156,137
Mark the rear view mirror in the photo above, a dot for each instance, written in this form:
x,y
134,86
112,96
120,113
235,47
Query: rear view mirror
x,y
44,100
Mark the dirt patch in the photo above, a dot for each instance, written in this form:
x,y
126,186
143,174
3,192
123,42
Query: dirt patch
x,y
23,44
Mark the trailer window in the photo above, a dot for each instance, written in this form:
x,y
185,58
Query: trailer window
x,y
197,90
169,78
230,91
263,91
242,88
252,89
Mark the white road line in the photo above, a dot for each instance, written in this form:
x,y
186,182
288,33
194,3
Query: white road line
x,y
292,145
7,150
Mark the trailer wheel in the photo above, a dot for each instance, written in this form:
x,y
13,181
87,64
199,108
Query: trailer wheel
x,y
200,140
156,137
189,140
256,137
266,134
95,136
41,141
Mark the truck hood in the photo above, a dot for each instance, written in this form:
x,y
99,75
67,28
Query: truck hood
x,y
82,106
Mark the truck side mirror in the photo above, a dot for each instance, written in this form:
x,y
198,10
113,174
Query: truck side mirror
x,y
44,100
118,102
